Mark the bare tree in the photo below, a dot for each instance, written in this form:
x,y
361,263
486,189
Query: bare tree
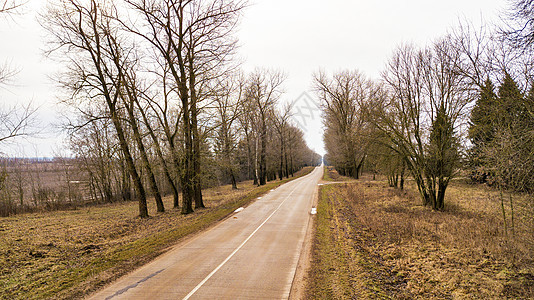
x,y
86,35
247,121
263,92
281,123
195,40
131,101
427,102
344,99
8,7
519,28
95,146
166,114
161,117
228,107
15,121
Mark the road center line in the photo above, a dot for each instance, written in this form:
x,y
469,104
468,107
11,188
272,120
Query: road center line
x,y
238,248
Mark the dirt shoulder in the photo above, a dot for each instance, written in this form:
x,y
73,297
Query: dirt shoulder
x,y
372,241
298,288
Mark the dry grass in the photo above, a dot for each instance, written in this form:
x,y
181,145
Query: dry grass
x,y
388,246
330,174
67,254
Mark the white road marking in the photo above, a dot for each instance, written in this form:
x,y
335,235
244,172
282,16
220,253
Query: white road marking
x,y
239,209
237,249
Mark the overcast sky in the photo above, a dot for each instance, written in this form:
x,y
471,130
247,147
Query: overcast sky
x,y
298,37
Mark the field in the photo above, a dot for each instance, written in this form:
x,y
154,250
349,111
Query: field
x,y
373,241
68,254
41,184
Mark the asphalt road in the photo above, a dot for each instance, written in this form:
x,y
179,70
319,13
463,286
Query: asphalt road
x,y
251,255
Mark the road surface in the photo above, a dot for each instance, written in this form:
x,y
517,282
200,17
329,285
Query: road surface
x,y
251,255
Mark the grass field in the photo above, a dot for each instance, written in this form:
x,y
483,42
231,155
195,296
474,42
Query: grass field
x,y
68,254
373,241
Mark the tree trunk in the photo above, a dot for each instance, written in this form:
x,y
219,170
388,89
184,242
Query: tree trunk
x,y
197,187
196,163
159,153
256,164
286,164
291,167
281,169
143,209
125,187
176,161
263,162
187,184
144,159
234,182
440,199
250,170
403,169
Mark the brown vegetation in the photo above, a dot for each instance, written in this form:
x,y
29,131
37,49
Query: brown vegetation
x,y
67,254
374,241
331,174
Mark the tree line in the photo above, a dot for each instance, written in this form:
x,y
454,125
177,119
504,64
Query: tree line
x,y
461,105
155,101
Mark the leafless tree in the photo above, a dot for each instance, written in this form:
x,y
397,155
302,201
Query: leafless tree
x,y
247,121
263,92
15,121
8,7
344,98
159,115
281,123
518,29
427,101
195,40
228,108
88,39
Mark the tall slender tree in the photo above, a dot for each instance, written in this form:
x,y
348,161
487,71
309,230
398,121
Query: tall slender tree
x,y
86,35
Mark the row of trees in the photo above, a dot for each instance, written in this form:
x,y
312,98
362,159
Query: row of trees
x,y
155,99
435,108
407,122
502,123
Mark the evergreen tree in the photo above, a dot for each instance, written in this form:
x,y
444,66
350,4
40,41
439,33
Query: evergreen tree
x,y
510,104
501,131
441,158
481,130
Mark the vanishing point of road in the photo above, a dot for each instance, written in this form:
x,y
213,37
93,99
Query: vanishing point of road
x,y
251,255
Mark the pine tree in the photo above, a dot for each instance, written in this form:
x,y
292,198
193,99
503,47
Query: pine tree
x,y
492,116
481,130
510,104
441,158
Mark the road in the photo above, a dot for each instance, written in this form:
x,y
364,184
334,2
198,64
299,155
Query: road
x,y
251,255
